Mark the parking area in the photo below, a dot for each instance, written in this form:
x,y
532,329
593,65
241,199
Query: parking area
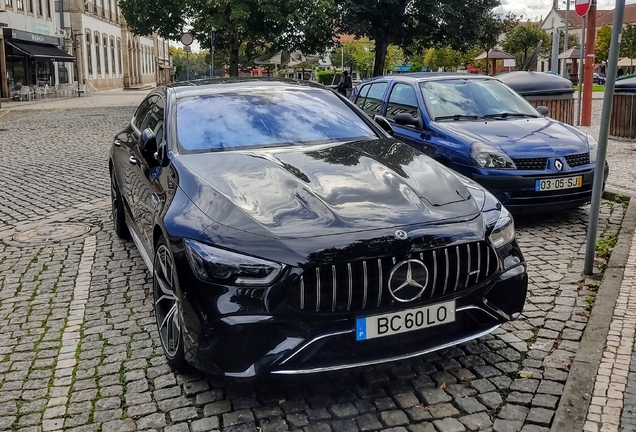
x,y
79,349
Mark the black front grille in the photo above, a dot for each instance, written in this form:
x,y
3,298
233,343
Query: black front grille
x,y
578,159
363,285
532,164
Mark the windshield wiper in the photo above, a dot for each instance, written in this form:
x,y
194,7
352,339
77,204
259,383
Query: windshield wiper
x,y
507,114
457,117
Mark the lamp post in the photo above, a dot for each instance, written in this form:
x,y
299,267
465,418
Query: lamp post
x,y
212,36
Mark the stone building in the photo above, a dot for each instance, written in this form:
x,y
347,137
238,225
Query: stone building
x,y
61,41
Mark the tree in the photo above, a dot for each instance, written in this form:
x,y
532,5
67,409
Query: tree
x,y
603,41
628,45
418,23
521,40
493,26
444,57
254,24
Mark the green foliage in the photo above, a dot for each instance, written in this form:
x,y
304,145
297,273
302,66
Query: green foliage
x,y
590,303
444,57
493,26
327,78
605,244
413,23
628,44
522,40
603,40
250,25
416,66
190,65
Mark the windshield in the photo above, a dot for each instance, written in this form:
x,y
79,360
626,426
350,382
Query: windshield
x,y
264,118
466,99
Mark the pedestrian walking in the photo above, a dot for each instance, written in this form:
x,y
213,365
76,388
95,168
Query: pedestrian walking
x,y
345,84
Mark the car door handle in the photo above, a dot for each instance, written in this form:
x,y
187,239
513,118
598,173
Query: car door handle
x,y
133,160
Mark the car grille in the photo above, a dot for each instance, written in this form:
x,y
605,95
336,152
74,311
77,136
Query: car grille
x,y
578,159
363,285
532,164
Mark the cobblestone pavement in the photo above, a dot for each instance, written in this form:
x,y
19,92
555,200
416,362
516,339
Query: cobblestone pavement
x,y
79,349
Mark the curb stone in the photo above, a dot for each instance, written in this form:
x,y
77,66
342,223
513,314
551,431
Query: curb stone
x,y
573,406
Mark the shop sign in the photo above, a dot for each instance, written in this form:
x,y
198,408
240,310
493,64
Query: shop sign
x,y
21,35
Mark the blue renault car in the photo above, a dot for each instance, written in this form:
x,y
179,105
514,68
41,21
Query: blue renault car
x,y
482,129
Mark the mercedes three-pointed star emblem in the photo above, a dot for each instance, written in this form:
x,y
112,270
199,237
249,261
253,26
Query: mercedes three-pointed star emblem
x,y
408,280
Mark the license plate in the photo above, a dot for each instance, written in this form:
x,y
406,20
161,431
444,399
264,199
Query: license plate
x,y
558,183
404,321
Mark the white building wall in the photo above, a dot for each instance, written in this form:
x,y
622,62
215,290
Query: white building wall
x,y
111,31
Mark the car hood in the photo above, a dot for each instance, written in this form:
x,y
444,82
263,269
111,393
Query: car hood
x,y
522,137
296,192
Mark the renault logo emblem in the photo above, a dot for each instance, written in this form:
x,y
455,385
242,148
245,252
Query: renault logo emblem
x,y
558,165
408,280
401,235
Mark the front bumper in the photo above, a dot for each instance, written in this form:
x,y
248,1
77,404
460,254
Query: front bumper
x,y
516,189
257,339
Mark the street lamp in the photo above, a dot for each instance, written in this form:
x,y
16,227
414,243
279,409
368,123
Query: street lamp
x,y
212,36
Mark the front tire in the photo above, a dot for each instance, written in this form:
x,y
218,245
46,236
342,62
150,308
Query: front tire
x,y
117,209
166,305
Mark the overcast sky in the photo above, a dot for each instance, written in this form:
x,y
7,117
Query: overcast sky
x,y
537,9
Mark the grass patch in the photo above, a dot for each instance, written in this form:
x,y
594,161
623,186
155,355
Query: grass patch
x,y
590,303
595,88
605,244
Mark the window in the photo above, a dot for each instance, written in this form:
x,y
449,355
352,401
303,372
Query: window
x,y
105,45
95,6
142,111
112,55
241,118
98,55
48,8
116,12
103,10
110,14
119,54
9,3
30,6
362,95
402,100
89,52
373,100
20,4
86,5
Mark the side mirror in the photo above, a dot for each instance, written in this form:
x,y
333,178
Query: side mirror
x,y
406,119
384,124
543,110
148,141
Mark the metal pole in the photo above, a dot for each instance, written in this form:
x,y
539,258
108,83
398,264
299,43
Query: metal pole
x,y
554,62
602,137
578,111
566,36
187,66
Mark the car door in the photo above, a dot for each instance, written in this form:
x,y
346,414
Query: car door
x,y
403,99
369,98
148,191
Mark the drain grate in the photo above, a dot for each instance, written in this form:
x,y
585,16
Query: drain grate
x,y
52,233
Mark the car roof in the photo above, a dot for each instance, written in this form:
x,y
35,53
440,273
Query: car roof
x,y
223,85
428,76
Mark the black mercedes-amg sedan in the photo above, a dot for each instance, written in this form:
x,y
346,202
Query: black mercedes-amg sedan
x,y
287,232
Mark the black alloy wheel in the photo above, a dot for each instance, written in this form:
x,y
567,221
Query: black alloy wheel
x,y
166,304
117,208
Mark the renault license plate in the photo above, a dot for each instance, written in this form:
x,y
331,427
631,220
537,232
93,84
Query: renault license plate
x,y
558,183
405,321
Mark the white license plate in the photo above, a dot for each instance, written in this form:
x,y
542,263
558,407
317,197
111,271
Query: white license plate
x,y
558,183
405,321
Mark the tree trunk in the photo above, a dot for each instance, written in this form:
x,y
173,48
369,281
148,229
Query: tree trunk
x,y
381,46
234,54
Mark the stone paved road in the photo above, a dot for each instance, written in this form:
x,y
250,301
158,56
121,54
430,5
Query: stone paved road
x,y
79,350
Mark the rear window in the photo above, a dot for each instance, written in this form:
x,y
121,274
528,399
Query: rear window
x,y
266,118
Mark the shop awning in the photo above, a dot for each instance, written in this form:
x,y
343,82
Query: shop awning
x,y
42,52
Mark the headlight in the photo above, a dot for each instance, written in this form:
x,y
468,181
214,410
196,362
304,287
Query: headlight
x,y
592,145
504,231
219,266
490,156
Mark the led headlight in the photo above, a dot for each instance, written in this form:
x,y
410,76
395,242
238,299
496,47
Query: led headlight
x,y
219,266
504,231
487,155
592,145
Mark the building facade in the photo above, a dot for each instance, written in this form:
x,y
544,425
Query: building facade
x,y
62,41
